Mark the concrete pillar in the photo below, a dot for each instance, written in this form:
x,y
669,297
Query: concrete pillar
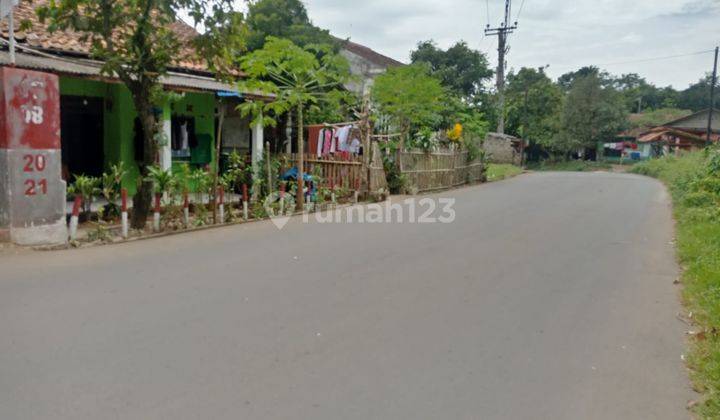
x,y
258,141
32,192
166,146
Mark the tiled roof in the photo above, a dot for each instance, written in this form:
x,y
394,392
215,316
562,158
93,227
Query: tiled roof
x,y
370,55
71,42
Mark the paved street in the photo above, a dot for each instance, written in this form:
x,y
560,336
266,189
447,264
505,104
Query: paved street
x,y
550,297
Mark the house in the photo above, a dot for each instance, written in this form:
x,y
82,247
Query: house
x,y
99,125
683,134
365,65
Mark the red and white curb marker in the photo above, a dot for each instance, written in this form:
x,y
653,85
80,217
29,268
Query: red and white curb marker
x,y
186,209
245,202
75,217
282,199
124,213
221,197
156,216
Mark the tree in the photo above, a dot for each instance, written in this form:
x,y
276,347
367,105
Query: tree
x,y
283,19
640,95
593,112
697,96
410,96
534,104
566,80
136,42
297,80
460,69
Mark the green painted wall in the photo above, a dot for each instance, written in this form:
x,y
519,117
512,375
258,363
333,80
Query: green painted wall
x,y
202,107
119,116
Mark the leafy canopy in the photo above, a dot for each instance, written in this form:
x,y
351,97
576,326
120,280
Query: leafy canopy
x,y
593,113
283,19
534,104
292,75
460,69
409,95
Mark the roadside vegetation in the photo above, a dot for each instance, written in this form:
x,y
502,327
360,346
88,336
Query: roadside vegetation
x,y
498,172
694,182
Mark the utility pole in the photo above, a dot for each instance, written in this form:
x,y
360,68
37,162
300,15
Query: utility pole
x,y
502,33
708,141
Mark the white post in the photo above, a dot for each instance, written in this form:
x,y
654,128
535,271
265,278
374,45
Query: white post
x,y
186,217
156,221
124,218
166,148
258,142
73,227
221,213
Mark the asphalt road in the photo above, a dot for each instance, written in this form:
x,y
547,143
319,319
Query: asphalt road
x,y
551,296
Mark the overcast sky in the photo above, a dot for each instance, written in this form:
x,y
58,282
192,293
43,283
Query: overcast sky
x,y
566,34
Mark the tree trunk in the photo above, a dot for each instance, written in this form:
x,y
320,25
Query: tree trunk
x,y
142,201
300,196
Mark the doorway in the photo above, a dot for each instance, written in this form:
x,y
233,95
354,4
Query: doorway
x,y
81,134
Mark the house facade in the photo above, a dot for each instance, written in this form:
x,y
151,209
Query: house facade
x,y
684,134
99,125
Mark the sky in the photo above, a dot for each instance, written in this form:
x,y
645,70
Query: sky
x,y
620,36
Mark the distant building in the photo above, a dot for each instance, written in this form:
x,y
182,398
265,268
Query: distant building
x,y
684,134
365,65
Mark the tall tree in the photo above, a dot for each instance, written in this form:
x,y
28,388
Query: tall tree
x,y
460,69
566,80
297,80
593,112
283,19
136,42
534,104
697,96
410,96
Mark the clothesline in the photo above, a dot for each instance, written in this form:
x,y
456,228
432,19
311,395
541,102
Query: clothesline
x,y
340,124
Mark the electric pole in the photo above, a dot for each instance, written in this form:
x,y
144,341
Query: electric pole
x,y
502,33
708,141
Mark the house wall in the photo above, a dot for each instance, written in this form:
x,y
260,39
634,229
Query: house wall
x,y
499,149
363,71
120,114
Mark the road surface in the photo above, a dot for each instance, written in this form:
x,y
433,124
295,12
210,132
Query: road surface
x,y
551,296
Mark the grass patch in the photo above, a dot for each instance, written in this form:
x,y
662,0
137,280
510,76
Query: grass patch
x,y
498,172
694,183
570,166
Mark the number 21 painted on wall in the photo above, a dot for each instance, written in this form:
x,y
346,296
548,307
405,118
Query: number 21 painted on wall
x,y
35,163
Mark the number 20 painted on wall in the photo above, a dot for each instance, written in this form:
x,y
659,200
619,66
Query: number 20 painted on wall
x,y
35,163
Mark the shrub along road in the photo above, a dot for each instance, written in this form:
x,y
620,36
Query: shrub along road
x,y
550,297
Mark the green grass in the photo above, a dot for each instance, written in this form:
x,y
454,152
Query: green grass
x,y
570,166
498,172
694,183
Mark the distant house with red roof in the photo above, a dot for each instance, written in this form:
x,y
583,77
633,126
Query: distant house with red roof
x,y
683,134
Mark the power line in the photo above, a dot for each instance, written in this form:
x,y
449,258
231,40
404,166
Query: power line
x,y
650,59
520,11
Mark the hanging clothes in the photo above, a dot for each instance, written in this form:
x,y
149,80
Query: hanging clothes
x,y
342,137
327,141
330,139
320,141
